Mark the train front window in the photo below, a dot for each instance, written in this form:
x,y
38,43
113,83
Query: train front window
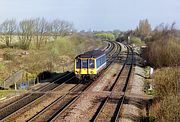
x,y
78,63
84,64
91,63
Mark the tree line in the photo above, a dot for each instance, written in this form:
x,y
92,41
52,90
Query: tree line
x,y
28,30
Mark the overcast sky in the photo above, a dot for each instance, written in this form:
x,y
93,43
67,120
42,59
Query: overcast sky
x,y
95,14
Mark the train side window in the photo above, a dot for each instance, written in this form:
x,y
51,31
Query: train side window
x,y
78,63
91,63
98,63
101,60
104,59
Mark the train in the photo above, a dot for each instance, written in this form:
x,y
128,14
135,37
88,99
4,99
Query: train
x,y
89,64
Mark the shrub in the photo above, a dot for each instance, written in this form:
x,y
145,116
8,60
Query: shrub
x,y
105,36
164,52
136,41
2,66
169,109
166,82
8,55
164,47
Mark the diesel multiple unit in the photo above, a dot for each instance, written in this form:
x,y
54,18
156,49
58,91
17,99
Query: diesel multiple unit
x,y
90,63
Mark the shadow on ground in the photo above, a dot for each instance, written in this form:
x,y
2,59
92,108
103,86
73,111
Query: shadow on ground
x,y
139,103
59,78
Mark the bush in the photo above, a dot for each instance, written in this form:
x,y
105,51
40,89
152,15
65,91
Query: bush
x,y
136,41
52,56
63,46
164,52
24,45
166,82
2,66
164,47
105,36
8,55
169,109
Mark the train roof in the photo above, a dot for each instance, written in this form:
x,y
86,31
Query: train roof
x,y
91,54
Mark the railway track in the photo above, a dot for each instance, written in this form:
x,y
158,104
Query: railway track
x,y
12,110
73,99
28,93
61,104
115,100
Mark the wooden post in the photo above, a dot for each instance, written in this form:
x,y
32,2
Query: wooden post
x,y
15,86
27,79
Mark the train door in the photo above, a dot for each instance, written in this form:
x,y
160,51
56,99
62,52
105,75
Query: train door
x,y
91,68
84,64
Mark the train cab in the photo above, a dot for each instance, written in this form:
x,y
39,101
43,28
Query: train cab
x,y
90,63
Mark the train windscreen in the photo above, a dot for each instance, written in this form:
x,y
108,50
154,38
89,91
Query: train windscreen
x,y
91,63
84,64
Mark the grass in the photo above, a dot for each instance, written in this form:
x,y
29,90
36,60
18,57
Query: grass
x,y
4,93
166,82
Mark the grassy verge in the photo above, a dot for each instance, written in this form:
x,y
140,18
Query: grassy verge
x,y
5,93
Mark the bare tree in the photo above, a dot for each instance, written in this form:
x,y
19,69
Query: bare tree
x,y
37,30
41,31
60,28
165,31
26,31
144,28
7,29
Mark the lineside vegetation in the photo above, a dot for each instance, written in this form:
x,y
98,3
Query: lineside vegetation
x,y
37,45
163,53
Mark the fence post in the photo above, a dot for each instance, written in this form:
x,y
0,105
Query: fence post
x,y
15,86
